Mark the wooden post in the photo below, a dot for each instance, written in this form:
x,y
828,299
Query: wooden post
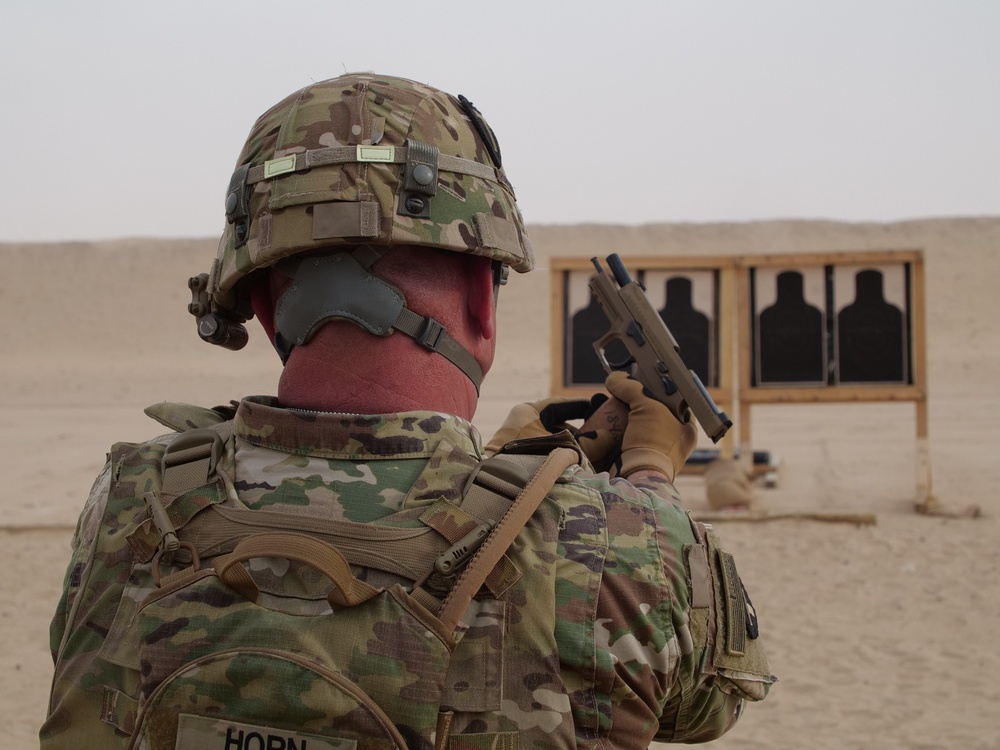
x,y
744,319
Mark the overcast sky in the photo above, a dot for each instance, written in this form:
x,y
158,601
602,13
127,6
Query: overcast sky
x,y
125,118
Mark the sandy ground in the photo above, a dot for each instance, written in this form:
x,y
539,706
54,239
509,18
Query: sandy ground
x,y
883,636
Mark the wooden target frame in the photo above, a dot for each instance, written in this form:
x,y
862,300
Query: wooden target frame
x,y
742,288
907,268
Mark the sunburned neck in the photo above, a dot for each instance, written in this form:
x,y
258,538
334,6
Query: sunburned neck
x,y
417,381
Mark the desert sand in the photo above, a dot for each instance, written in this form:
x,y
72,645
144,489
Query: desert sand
x,y
883,636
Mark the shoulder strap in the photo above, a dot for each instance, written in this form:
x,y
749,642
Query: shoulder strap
x,y
190,460
493,548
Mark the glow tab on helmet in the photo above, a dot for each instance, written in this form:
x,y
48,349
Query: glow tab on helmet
x,y
275,167
376,153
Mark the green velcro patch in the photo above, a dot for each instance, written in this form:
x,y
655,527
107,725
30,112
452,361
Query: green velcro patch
x,y
736,605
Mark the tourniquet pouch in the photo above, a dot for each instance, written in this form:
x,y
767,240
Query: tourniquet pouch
x,y
219,669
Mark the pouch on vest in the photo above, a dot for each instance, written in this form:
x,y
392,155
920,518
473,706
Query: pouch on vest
x,y
218,665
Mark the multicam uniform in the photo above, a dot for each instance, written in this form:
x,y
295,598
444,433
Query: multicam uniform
x,y
611,635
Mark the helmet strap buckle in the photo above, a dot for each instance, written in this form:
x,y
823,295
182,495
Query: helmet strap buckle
x,y
430,333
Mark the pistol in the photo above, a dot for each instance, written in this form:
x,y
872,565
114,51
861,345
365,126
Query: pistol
x,y
653,354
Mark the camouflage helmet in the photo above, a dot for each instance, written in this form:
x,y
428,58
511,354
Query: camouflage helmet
x,y
366,159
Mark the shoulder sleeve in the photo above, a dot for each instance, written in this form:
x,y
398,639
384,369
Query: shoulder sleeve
x,y
664,616
82,551
71,706
98,573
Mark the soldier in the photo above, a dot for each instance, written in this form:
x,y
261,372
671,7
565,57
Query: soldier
x,y
362,208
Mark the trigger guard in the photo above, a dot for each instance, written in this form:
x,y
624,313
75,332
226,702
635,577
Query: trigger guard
x,y
622,365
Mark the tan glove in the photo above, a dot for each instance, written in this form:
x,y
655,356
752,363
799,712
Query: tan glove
x,y
551,415
654,439
600,436
524,421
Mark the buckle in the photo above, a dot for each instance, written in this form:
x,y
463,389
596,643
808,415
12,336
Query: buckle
x,y
500,476
191,446
430,333
459,553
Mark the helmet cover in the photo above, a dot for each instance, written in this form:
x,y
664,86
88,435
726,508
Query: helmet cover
x,y
367,159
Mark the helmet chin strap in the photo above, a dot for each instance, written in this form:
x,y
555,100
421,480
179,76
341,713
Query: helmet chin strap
x,y
342,286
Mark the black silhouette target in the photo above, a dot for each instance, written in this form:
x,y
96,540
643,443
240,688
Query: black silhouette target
x,y
831,325
790,328
872,345
687,300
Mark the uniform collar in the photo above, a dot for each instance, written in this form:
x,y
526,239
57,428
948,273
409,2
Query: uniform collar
x,y
413,434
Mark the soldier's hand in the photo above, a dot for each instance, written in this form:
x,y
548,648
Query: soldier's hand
x,y
654,439
522,422
600,436
551,415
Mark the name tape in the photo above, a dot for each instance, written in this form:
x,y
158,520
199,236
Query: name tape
x,y
199,732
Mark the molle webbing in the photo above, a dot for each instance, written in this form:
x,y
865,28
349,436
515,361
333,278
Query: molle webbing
x,y
395,545
406,551
398,550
